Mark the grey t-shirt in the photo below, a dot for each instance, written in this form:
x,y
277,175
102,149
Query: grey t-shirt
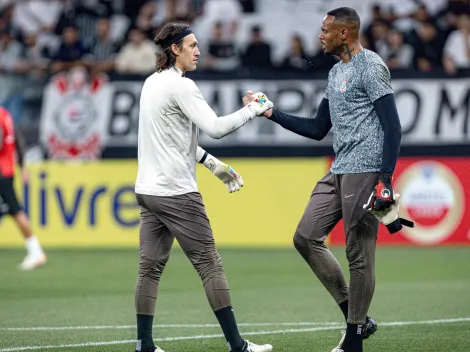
x,y
357,132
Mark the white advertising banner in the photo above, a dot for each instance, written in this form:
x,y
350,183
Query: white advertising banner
x,y
432,111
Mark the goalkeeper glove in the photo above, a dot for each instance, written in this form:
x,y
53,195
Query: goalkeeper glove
x,y
389,217
382,197
258,103
224,172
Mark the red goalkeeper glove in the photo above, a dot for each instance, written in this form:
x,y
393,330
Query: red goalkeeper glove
x,y
383,196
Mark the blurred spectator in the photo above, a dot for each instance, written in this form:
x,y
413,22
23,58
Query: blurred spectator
x,y
66,17
223,10
428,46
156,13
434,6
137,56
181,10
146,20
395,52
36,16
4,4
446,18
378,32
404,13
102,52
296,57
11,65
6,15
457,46
258,51
377,15
10,53
132,8
248,6
458,7
70,52
36,57
228,12
422,14
83,14
222,54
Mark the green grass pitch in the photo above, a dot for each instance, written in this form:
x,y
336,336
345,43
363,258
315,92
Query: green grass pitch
x,y
82,300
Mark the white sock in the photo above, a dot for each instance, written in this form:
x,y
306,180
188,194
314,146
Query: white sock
x,y
32,246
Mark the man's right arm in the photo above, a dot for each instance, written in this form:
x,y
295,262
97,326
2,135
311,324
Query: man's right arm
x,y
193,105
314,128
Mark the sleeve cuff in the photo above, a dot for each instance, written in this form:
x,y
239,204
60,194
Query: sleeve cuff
x,y
273,116
204,157
201,155
386,177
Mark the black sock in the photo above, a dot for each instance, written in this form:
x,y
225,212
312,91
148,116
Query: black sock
x,y
144,332
353,340
344,308
229,326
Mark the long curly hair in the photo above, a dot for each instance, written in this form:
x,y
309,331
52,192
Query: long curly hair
x,y
166,58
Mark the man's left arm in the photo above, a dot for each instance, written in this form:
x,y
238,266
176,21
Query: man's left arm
x,y
232,179
20,151
387,112
377,84
20,147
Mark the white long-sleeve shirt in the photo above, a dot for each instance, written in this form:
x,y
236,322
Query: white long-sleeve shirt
x,y
172,110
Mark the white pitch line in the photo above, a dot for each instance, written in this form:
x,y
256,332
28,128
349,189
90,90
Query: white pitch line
x,y
199,337
176,338
424,322
161,326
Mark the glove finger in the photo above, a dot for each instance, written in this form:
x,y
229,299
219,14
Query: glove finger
x,y
232,187
396,202
233,173
378,206
239,180
228,187
236,187
381,205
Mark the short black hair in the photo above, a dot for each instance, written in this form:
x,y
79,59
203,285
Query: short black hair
x,y
345,15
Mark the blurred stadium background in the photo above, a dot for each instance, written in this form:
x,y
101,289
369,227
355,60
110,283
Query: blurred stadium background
x,y
71,73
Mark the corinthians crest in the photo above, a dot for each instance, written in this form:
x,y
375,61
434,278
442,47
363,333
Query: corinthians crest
x,y
74,115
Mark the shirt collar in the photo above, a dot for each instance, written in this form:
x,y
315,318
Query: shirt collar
x,y
181,73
